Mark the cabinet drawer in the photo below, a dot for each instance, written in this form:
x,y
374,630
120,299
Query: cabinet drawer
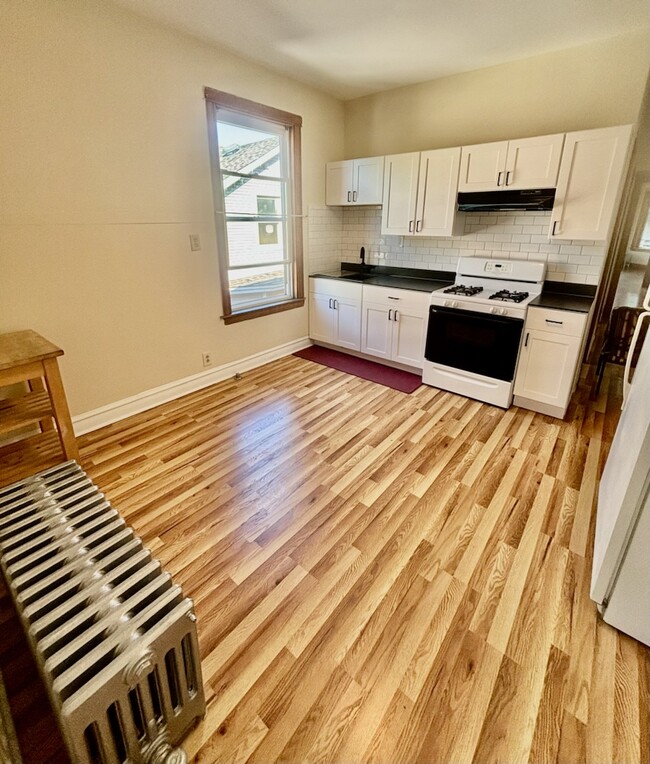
x,y
557,321
335,288
395,298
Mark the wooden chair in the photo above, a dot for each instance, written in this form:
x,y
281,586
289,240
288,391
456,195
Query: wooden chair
x,y
618,338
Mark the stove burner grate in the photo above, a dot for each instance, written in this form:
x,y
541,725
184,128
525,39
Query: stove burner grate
x,y
463,290
505,295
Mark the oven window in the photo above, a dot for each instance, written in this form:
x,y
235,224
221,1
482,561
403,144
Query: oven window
x,y
475,342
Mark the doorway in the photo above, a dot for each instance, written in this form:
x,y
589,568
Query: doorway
x,y
635,276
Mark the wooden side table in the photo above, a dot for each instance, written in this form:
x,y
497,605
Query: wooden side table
x,y
27,357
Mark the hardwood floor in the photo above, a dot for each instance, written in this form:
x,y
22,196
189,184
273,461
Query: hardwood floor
x,y
382,577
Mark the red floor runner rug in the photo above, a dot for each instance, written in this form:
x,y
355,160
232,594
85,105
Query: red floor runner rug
x,y
403,381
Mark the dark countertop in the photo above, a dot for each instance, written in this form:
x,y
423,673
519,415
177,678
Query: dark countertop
x,y
386,276
560,295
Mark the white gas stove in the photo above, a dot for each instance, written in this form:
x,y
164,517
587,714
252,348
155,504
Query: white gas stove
x,y
500,287
476,325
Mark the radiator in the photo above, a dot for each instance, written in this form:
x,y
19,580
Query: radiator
x,y
114,639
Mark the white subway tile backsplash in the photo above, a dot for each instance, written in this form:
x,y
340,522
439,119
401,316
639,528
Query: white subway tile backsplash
x,y
338,233
591,250
569,249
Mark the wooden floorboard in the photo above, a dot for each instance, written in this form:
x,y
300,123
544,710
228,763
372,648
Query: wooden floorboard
x,y
378,577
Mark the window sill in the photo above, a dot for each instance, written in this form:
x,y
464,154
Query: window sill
x,y
245,315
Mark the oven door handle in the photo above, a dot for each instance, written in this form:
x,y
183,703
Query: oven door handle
x,y
475,314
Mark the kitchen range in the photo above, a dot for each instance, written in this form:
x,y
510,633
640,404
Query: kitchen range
x,y
475,327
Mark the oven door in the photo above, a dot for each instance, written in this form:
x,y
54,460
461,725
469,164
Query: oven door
x,y
478,343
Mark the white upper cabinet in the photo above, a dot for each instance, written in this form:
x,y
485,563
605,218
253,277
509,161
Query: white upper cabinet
x,y
354,181
590,183
420,192
522,163
533,162
400,193
482,166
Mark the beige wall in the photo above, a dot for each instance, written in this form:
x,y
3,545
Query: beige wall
x,y
589,86
105,173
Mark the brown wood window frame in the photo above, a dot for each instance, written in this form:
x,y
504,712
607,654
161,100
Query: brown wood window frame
x,y
216,99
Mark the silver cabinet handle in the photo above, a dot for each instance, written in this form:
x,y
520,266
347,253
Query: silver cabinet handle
x,y
550,321
553,230
389,312
410,226
335,303
329,301
349,196
499,178
395,317
508,174
393,298
354,196
527,336
418,226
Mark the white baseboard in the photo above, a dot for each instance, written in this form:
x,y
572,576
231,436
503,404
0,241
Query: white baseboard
x,y
114,412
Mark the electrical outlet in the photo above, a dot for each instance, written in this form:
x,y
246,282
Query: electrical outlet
x,y
207,359
195,242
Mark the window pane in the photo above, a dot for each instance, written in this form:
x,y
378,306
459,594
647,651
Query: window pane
x,y
241,197
247,151
245,246
250,286
273,169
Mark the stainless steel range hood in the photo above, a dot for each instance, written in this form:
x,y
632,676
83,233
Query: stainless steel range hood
x,y
507,199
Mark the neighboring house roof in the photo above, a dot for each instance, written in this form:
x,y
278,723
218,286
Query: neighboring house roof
x,y
247,157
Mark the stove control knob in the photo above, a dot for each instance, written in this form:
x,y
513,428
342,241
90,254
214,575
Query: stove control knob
x,y
494,310
451,303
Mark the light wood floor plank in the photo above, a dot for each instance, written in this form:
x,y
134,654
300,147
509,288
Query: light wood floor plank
x,y
379,577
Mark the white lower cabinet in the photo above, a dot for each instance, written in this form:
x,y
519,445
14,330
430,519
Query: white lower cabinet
x,y
335,312
394,324
549,359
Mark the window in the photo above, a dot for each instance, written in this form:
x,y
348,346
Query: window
x,y
255,156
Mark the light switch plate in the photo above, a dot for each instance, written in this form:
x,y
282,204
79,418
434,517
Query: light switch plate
x,y
195,242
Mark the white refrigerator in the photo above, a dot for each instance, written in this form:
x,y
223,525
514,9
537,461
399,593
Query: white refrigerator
x,y
620,579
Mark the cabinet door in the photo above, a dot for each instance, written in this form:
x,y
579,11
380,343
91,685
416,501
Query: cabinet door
x,y
437,192
546,367
400,193
590,183
368,180
482,167
321,317
347,317
409,332
376,330
534,162
338,182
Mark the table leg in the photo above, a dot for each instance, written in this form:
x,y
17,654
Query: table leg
x,y
38,386
60,408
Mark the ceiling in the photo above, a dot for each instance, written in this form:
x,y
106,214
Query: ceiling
x,y
351,48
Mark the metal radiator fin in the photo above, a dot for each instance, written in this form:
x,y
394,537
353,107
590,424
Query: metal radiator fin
x,y
115,640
